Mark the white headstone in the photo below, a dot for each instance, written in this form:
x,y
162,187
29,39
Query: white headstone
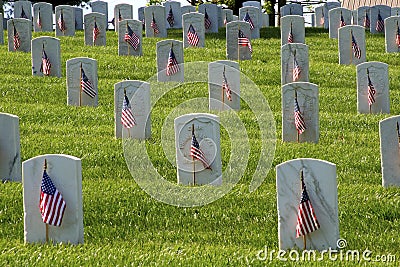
x,y
335,20
390,156
212,13
95,20
220,19
233,50
293,26
10,153
138,94
235,18
392,29
100,7
265,20
347,49
78,18
219,97
175,9
51,47
363,16
227,16
290,54
141,14
377,12
320,16
66,14
76,95
130,47
379,76
207,132
1,30
292,9
66,174
354,17
252,3
197,22
328,6
121,12
23,29
254,14
163,53
395,11
187,9
23,10
308,102
43,17
320,182
155,14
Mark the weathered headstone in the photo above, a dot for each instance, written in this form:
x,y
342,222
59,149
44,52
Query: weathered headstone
x,y
46,56
227,16
78,18
363,17
173,14
19,33
303,98
265,20
224,85
373,87
338,17
378,14
155,21
10,153
220,19
234,49
395,11
351,44
291,9
320,183
130,40
121,12
235,18
193,30
187,9
210,12
65,20
95,29
389,133
294,63
141,14
23,10
101,7
170,65
257,5
136,122
320,16
206,168
292,29
42,17
328,6
1,30
251,15
82,87
65,173
392,34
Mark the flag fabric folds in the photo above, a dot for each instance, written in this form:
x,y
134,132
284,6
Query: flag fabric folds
x,y
371,91
131,38
127,119
197,153
225,20
367,22
296,70
225,86
290,36
172,64
86,85
16,40
52,205
39,20
355,47
298,117
244,41
61,23
342,22
170,18
247,18
154,26
96,32
207,21
380,24
398,36
192,37
45,67
322,19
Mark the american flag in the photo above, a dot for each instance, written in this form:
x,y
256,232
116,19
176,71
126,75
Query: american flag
x,y
306,220
290,36
61,22
96,32
342,23
296,69
380,24
45,67
127,119
23,14
172,64
298,117
119,16
248,19
225,20
170,17
154,26
39,20
244,41
86,85
131,38
322,19
207,21
367,22
17,40
355,47
192,37
371,91
398,133
51,204
225,86
398,36
197,153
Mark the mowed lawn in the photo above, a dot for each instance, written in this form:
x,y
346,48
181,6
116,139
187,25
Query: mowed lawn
x,y
125,226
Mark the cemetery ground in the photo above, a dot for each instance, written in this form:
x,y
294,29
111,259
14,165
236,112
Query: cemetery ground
x,y
125,226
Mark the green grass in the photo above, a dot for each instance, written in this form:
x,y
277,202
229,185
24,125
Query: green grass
x,y
125,226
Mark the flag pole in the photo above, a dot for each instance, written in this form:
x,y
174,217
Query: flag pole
x,y
128,129
238,45
222,92
80,85
367,92
298,134
47,226
94,41
194,163
302,188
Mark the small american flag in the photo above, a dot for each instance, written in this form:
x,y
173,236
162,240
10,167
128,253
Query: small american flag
x,y
131,38
290,36
96,32
367,22
154,26
51,204
296,69
16,40
61,22
244,41
172,64
371,91
170,18
119,16
86,85
248,19
355,47
225,86
306,220
127,119
298,117
380,24
207,21
23,14
192,37
197,153
45,67
322,19
225,20
342,22
39,20
398,36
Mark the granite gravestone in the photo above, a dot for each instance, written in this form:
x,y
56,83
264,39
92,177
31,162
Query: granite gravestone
x,y
46,56
121,12
187,9
257,5
227,16
210,12
292,29
65,20
102,8
392,34
378,14
173,15
19,33
10,151
328,6
23,10
78,18
291,9
193,30
338,17
363,17
155,21
352,45
294,63
95,29
251,15
130,38
168,69
238,48
320,16
43,17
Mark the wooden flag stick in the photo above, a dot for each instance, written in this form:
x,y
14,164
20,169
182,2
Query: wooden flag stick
x,y
194,163
302,188
47,226
80,85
